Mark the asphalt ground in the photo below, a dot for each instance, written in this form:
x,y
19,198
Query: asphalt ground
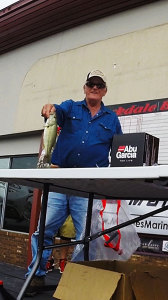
x,y
13,278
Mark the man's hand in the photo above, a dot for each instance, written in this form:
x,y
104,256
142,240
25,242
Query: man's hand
x,y
47,109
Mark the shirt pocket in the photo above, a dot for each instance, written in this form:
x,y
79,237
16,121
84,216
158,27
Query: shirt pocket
x,y
105,133
74,120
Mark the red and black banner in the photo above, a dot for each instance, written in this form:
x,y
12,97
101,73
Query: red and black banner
x,y
142,107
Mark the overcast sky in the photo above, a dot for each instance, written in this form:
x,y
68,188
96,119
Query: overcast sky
x,y
5,3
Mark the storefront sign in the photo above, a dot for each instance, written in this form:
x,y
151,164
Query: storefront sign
x,y
142,107
157,224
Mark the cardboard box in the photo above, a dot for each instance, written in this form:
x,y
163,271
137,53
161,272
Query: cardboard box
x,y
80,282
112,280
134,149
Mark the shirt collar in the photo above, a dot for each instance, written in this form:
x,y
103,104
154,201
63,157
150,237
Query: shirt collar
x,y
102,109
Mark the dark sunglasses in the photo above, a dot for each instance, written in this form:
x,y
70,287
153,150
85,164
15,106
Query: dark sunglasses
x,y
98,85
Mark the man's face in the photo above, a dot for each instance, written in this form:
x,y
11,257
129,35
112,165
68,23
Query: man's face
x,y
94,90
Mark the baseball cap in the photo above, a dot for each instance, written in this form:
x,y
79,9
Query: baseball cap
x,y
96,73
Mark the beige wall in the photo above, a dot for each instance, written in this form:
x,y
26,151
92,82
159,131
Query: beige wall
x,y
136,66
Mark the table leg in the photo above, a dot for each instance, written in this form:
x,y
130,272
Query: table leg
x,y
88,225
40,241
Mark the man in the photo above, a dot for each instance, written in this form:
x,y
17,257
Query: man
x,y
87,129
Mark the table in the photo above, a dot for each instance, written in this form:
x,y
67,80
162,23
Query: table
x,y
123,183
145,183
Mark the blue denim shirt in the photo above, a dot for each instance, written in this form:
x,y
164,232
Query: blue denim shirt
x,y
84,141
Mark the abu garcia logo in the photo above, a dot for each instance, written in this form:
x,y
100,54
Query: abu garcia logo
x,y
126,152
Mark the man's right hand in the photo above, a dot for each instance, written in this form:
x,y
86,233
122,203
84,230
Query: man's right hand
x,y
47,109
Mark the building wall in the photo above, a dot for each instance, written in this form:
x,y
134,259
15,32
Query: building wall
x,y
14,145
13,247
130,47
16,64
135,64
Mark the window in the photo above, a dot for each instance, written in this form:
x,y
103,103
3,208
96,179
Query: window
x,y
4,164
15,199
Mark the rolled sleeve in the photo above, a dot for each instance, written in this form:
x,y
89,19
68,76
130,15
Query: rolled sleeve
x,y
62,111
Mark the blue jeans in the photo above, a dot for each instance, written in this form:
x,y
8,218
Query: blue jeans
x,y
58,208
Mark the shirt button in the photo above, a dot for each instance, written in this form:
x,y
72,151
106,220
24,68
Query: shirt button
x,y
78,154
86,131
82,142
73,117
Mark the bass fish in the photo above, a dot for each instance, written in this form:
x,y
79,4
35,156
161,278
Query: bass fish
x,y
49,140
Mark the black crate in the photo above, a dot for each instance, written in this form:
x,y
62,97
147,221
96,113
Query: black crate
x,y
134,149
